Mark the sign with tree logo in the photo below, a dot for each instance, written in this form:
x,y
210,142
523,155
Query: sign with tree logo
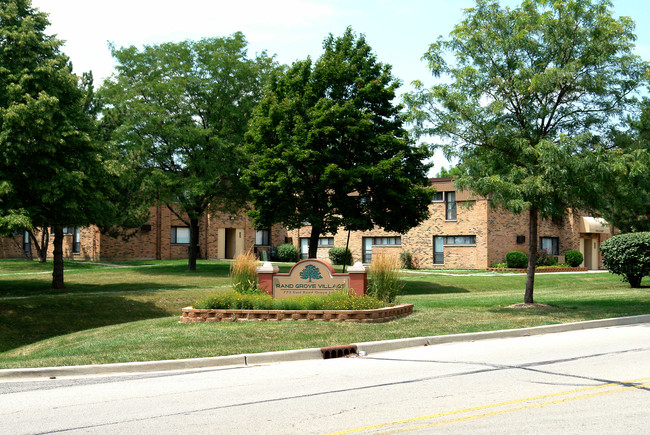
x,y
309,277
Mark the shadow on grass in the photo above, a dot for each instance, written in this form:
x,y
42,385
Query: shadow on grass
x,y
217,269
595,308
35,287
31,320
429,288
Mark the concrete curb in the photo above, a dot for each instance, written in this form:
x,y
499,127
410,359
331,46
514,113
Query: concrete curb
x,y
303,354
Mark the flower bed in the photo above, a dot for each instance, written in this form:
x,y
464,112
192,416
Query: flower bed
x,y
192,315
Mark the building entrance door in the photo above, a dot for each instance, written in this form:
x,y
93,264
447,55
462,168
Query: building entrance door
x,y
589,248
234,238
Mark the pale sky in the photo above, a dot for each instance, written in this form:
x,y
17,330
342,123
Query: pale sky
x,y
399,31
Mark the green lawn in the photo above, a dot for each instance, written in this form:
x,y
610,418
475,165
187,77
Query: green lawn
x,y
130,312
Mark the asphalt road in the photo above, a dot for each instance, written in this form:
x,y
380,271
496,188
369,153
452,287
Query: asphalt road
x,y
587,381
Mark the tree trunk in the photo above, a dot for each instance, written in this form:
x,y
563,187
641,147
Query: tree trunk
x,y
313,241
27,255
532,255
41,248
45,243
57,274
194,244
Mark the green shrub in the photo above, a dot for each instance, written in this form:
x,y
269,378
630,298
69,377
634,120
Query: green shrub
x,y
288,253
543,259
343,300
573,258
499,265
516,260
628,255
384,282
551,261
243,273
340,256
407,260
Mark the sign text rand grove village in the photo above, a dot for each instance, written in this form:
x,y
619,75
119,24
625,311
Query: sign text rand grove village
x,y
308,277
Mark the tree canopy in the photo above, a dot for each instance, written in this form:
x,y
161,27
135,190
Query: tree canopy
x,y
51,169
328,147
528,100
180,111
626,199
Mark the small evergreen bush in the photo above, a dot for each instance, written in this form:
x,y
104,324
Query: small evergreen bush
x,y
628,255
551,261
573,258
542,258
516,260
340,256
407,260
287,253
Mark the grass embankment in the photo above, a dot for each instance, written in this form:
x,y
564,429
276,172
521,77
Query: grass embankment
x,y
117,314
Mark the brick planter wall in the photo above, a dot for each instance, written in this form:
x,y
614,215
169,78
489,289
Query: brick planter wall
x,y
191,315
544,270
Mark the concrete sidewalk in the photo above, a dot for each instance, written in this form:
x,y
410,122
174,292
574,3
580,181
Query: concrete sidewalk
x,y
12,375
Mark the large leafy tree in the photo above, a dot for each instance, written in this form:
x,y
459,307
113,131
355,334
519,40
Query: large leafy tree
x,y
626,200
329,148
51,169
181,111
528,100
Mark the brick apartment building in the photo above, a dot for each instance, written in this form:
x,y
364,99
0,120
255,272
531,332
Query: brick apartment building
x,y
462,232
163,237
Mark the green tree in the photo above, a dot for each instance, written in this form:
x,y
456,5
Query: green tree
x,y
526,104
626,198
181,111
329,148
453,172
51,171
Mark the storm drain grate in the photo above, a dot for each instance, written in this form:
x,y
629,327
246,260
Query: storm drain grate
x,y
338,351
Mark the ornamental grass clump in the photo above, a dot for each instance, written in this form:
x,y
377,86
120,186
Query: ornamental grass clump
x,y
243,273
384,282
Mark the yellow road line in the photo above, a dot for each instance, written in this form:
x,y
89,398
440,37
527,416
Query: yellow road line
x,y
522,408
495,405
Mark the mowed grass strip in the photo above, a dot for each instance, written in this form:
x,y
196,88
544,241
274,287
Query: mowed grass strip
x,y
119,314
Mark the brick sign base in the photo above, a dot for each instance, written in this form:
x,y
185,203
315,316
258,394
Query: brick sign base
x,y
191,315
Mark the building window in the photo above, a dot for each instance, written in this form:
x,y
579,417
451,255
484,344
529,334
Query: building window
x,y
76,241
459,240
387,241
304,248
450,206
438,250
326,241
68,230
368,242
439,243
550,244
180,236
263,237
438,197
